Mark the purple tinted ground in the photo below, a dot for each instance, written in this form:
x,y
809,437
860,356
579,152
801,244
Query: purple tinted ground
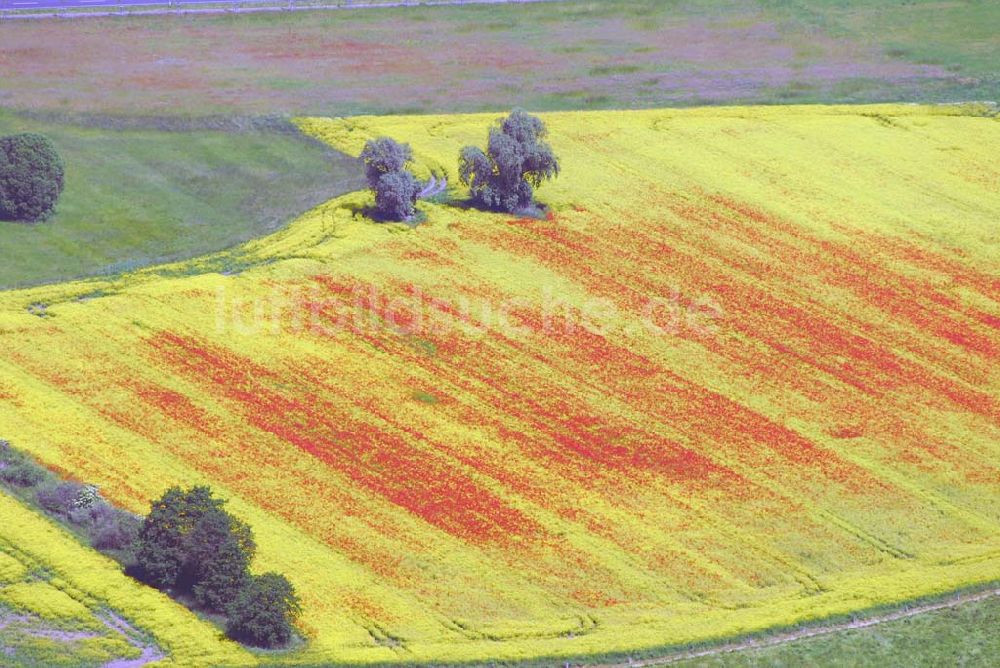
x,y
571,55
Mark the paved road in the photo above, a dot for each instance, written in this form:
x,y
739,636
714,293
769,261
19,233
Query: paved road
x,y
76,4
109,5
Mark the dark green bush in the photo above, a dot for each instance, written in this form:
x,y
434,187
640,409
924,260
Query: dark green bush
x,y
163,549
31,177
189,544
264,612
221,548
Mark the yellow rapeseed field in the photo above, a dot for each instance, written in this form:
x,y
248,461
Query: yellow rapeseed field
x,y
743,374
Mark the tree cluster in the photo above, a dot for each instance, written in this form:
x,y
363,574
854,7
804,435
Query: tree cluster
x,y
503,177
31,177
190,545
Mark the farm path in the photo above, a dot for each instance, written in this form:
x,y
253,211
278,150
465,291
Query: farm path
x,y
811,632
433,187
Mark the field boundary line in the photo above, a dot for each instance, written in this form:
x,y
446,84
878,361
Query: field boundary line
x,y
239,7
806,633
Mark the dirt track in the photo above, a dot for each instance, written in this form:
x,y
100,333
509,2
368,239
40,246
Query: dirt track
x,y
802,634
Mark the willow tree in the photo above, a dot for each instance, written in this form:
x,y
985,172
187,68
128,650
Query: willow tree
x,y
517,160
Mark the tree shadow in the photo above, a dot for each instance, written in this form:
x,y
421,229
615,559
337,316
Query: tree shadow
x,y
371,213
537,211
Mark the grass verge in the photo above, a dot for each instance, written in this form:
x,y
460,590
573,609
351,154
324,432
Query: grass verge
x,y
964,635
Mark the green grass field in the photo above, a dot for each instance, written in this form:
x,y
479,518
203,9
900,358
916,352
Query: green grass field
x,y
145,195
960,36
962,636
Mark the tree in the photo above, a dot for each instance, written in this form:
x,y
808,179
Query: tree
x,y
396,195
394,185
220,550
384,156
162,554
31,177
264,612
189,543
517,160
